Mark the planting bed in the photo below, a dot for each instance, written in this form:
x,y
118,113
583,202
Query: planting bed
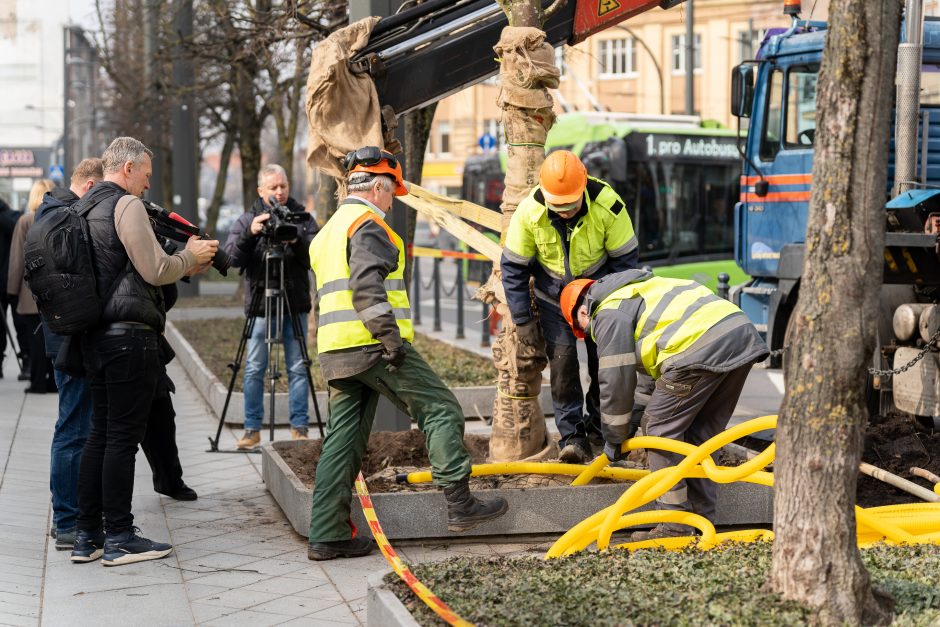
x,y
646,587
538,504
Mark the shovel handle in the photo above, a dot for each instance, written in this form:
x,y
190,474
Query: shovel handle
x,y
900,483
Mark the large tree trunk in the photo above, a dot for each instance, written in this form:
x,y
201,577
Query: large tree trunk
x,y
218,192
518,422
819,436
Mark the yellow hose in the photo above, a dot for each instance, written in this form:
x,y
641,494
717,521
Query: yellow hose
x,y
915,523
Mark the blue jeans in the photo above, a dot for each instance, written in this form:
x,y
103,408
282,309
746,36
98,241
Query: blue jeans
x,y
257,363
68,440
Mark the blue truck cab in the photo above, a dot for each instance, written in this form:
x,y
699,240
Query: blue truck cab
x,y
776,95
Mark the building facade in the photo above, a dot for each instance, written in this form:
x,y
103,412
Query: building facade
x,y
637,66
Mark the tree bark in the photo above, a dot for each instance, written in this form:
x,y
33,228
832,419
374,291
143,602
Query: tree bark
x,y
417,130
218,192
820,431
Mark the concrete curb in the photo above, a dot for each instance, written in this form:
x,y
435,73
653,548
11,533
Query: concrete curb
x,y
531,510
476,401
383,608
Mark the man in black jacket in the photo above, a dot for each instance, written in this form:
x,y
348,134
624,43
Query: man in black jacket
x,y
248,243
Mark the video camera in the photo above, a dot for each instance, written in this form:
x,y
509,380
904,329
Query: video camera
x,y
281,227
173,226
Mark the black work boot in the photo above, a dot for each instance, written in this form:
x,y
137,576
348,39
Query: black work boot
x,y
465,511
354,547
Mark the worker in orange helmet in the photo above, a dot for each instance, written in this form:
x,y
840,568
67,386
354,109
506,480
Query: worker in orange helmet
x,y
570,226
698,348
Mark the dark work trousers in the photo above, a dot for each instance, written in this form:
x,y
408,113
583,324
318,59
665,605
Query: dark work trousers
x,y
41,377
691,406
159,443
578,418
123,367
415,389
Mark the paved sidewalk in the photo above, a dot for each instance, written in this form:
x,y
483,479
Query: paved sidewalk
x,y
236,559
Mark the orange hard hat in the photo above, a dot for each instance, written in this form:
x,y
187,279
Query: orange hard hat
x,y
562,178
372,159
569,299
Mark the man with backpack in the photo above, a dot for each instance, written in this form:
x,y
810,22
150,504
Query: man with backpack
x,y
121,351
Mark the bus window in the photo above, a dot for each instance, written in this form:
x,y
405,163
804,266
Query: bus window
x,y
721,191
686,184
649,208
770,141
801,108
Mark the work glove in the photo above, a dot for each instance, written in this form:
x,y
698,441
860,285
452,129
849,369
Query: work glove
x,y
394,357
528,333
613,452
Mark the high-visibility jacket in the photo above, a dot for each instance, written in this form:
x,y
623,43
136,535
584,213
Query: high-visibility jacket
x,y
539,243
676,314
658,325
340,325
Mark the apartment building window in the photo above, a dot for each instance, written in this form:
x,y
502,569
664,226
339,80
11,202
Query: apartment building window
x,y
678,53
748,42
443,138
560,60
617,57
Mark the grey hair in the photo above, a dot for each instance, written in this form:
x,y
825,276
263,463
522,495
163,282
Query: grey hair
x,y
122,150
363,181
271,168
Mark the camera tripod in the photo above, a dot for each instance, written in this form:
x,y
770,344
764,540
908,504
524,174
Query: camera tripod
x,y
17,355
276,303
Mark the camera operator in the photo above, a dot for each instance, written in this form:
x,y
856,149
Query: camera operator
x,y
121,354
251,237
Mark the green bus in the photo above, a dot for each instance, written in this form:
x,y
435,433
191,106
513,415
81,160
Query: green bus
x,y
678,176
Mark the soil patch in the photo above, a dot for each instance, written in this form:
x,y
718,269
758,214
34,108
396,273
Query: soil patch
x,y
216,342
390,453
723,586
894,444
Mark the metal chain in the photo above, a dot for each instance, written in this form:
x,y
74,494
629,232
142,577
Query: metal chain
x,y
926,349
450,292
887,373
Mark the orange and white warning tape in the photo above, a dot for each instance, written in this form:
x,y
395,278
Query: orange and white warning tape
x,y
401,569
421,251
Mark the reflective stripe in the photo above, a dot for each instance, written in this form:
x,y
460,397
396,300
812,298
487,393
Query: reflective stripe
x,y
620,251
616,420
730,323
597,265
513,257
336,285
341,285
616,361
661,306
376,310
675,497
551,272
675,325
539,294
350,315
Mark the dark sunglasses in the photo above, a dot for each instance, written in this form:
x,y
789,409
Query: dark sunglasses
x,y
368,156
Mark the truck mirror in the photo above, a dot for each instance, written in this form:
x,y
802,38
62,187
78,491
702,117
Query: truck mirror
x,y
742,90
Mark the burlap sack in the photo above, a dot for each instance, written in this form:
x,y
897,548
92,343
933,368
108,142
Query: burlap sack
x,y
343,111
527,68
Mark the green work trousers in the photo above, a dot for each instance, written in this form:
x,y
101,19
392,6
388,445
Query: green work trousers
x,y
417,390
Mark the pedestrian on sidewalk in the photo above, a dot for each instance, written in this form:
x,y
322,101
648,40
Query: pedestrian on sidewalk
x,y
8,220
121,354
247,244
698,348
74,413
570,226
40,367
364,343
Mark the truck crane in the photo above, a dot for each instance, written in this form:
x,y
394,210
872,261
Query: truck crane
x,y
777,94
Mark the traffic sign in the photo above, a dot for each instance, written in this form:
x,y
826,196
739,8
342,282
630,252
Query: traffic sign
x,y
57,172
487,142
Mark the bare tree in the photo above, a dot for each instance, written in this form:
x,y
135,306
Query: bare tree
x,y
819,436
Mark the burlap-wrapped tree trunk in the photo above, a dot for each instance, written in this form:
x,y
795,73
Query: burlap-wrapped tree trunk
x,y
527,71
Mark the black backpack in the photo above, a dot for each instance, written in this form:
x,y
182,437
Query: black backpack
x,y
60,267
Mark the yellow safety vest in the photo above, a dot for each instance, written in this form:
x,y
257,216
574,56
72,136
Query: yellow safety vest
x,y
684,311
339,324
605,228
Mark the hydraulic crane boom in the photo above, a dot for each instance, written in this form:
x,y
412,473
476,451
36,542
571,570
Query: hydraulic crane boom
x,y
431,50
